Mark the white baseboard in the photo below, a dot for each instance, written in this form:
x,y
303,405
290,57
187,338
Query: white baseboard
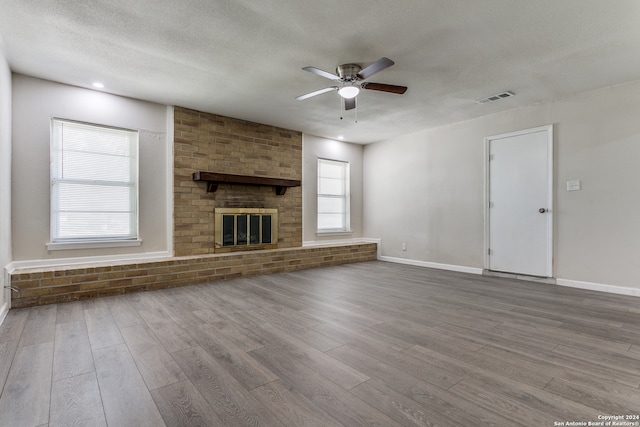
x,y
116,259
621,290
450,267
3,311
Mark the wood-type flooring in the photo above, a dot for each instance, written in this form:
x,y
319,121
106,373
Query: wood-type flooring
x,y
369,344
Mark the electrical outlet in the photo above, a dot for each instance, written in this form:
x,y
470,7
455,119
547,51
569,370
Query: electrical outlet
x,y
404,246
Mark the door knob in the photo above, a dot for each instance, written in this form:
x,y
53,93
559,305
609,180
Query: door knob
x,y
542,210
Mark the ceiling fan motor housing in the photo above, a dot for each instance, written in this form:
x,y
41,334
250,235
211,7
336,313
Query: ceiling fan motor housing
x,y
348,72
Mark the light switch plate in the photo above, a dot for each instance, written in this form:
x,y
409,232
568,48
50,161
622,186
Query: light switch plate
x,y
573,185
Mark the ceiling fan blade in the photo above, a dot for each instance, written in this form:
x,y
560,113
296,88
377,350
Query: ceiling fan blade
x,y
376,67
384,88
349,103
317,92
321,73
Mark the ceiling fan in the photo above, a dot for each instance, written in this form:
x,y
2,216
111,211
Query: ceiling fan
x,y
349,79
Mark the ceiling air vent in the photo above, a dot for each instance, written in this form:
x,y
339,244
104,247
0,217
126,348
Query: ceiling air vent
x,y
495,97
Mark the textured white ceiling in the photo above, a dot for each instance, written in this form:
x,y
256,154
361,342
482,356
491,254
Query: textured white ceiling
x,y
244,58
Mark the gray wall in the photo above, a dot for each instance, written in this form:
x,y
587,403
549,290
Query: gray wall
x,y
5,172
427,189
314,147
35,101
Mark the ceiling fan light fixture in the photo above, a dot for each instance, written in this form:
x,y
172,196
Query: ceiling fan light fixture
x,y
349,92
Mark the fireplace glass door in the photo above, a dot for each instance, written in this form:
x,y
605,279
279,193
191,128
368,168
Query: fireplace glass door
x,y
244,229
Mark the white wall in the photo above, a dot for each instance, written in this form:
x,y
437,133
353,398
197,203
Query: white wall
x,y
314,147
5,175
35,101
427,189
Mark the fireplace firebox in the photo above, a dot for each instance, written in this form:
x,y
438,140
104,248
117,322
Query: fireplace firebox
x,y
243,229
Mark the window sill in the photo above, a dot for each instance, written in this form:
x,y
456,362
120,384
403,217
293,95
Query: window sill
x,y
96,244
334,233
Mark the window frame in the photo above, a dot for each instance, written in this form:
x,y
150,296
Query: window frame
x,y
346,197
132,238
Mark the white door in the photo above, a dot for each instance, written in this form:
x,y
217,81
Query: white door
x,y
519,211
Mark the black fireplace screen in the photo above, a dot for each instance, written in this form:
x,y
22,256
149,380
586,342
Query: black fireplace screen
x,y
246,229
237,228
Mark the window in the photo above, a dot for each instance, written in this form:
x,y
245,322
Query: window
x,y
333,196
94,183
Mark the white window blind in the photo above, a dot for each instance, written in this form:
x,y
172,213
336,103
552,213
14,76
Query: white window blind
x,y
333,196
94,182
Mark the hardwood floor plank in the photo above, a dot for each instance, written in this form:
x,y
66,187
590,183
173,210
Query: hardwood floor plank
x,y
102,329
13,325
233,404
433,398
40,326
236,362
72,351
292,408
7,353
404,410
300,318
609,333
304,334
361,341
565,367
415,333
27,391
341,374
534,397
622,360
569,316
242,337
76,401
507,406
125,397
181,404
70,312
340,316
172,336
498,338
627,402
560,335
450,344
124,314
460,317
177,310
346,334
155,314
157,367
341,404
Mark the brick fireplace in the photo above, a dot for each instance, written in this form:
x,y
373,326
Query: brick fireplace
x,y
213,143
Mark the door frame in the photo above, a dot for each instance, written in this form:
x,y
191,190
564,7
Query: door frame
x,y
550,194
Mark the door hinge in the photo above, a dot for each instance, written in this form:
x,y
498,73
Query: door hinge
x,y
491,157
488,251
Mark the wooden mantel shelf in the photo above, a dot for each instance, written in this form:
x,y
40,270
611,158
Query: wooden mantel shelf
x,y
213,179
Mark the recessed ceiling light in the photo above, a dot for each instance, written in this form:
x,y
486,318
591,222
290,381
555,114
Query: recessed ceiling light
x,y
98,85
340,137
